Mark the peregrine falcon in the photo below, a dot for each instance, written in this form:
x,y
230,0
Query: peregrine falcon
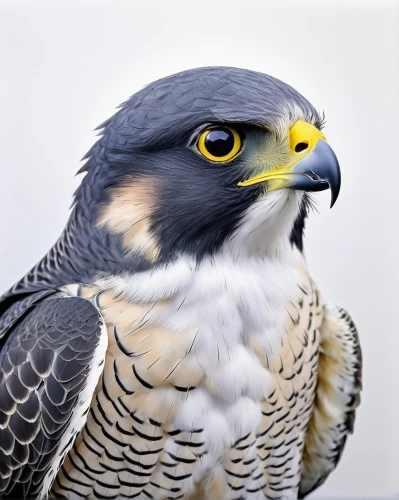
x,y
172,344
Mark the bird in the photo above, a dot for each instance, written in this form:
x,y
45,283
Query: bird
x,y
172,343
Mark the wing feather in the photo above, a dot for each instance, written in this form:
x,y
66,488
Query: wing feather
x,y
337,397
49,366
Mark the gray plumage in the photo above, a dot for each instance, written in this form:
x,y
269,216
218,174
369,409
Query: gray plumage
x,y
157,116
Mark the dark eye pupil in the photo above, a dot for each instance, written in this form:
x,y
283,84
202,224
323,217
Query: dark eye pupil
x,y
219,142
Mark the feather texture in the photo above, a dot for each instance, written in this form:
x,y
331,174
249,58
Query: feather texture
x,y
48,372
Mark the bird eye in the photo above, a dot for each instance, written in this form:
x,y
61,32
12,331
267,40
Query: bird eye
x,y
219,144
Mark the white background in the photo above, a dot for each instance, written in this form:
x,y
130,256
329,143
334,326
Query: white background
x,y
65,66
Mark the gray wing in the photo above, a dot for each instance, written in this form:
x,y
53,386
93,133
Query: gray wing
x,y
337,397
49,366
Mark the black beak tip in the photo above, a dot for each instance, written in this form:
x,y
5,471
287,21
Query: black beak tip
x,y
335,185
327,167
334,195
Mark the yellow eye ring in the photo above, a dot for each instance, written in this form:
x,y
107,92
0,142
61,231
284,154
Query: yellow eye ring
x,y
219,144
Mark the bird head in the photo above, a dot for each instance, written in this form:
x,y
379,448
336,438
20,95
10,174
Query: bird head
x,y
207,159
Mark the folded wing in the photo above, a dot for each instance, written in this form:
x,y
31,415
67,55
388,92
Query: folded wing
x,y
337,397
50,362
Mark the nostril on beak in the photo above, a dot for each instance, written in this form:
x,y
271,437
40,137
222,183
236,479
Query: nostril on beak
x,y
301,146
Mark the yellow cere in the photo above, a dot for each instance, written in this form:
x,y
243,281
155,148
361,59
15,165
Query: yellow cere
x,y
303,138
304,132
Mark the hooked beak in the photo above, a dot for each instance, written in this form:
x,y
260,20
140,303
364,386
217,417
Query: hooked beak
x,y
315,167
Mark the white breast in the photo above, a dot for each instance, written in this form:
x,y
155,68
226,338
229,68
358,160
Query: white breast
x,y
229,302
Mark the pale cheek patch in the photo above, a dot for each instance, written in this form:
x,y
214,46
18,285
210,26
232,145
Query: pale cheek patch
x,y
128,214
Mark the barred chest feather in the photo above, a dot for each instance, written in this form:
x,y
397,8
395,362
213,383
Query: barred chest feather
x,y
208,383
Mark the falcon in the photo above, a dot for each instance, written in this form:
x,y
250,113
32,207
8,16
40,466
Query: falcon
x,y
172,344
